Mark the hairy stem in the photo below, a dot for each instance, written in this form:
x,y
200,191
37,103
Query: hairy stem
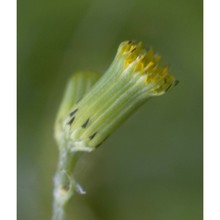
x,y
64,183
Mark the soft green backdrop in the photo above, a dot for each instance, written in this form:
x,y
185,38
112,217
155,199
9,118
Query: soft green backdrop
x,y
150,168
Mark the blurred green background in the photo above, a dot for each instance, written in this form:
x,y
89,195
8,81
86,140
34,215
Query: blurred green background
x,y
151,167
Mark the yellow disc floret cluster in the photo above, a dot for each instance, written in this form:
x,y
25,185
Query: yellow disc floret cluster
x,y
147,63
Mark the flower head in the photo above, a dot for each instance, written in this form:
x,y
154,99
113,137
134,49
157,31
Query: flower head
x,y
134,76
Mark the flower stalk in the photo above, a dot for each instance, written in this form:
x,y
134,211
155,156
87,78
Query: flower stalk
x,y
64,183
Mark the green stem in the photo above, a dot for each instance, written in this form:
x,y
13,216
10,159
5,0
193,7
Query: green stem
x,y
64,183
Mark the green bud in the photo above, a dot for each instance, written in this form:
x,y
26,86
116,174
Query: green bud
x,y
78,85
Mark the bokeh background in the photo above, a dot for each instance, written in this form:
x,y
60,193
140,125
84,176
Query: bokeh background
x,y
151,167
